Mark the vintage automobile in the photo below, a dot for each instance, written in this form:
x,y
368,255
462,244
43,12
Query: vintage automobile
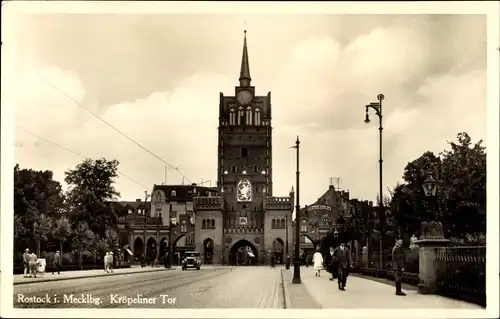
x,y
191,260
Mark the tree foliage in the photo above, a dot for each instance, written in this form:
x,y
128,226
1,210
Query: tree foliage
x,y
461,176
91,187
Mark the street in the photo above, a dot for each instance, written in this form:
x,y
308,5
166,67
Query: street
x,y
210,287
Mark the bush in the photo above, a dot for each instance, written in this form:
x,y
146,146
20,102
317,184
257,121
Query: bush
x,y
68,259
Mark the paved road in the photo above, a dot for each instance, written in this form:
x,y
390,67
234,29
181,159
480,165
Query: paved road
x,y
211,287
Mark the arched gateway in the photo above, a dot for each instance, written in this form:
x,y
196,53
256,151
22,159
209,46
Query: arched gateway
x,y
243,253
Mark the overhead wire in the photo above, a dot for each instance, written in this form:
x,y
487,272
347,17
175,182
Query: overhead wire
x,y
78,154
116,129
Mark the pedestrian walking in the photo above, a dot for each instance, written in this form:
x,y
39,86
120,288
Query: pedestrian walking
x,y
111,261
342,255
331,264
26,262
318,262
288,260
57,263
32,258
398,260
273,261
106,262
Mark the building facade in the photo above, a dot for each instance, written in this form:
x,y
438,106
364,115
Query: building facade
x,y
329,213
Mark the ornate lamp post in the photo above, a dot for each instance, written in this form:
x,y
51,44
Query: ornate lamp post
x,y
377,107
296,263
430,186
146,196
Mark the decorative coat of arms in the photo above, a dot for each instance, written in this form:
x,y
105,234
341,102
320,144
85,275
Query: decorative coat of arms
x,y
244,191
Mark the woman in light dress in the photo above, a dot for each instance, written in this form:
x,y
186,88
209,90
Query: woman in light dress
x,y
318,262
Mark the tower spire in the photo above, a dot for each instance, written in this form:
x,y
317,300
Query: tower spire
x,y
245,67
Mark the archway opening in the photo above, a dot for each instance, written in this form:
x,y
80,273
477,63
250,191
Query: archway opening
x,y
307,247
279,251
163,247
138,248
151,249
243,253
208,251
179,249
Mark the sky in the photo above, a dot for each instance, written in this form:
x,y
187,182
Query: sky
x,y
157,78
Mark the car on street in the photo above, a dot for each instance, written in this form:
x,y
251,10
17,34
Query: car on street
x,y
191,260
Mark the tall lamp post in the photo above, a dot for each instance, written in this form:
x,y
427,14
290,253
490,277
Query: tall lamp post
x,y
296,263
377,107
146,196
287,264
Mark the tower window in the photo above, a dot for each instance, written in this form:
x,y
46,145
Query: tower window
x,y
244,152
254,168
241,115
233,169
232,117
257,116
249,116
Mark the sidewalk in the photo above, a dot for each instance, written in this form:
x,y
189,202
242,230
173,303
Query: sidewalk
x,y
360,293
78,274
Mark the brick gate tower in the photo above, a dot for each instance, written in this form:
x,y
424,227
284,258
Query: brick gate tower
x,y
246,222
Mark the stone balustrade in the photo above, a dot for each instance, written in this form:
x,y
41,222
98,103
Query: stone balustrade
x,y
209,203
278,203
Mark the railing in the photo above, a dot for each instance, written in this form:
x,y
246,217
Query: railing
x,y
209,203
411,268
461,273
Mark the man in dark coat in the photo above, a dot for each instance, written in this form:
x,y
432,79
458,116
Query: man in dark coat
x,y
342,255
331,264
57,263
398,263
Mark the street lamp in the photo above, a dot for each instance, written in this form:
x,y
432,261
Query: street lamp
x,y
146,196
430,186
296,263
287,263
377,107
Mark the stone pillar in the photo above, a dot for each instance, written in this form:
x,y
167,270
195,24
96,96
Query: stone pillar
x,y
431,237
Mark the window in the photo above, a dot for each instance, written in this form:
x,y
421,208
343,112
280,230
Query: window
x,y
158,197
173,193
241,114
183,229
232,117
129,211
325,220
249,116
244,152
254,168
213,223
257,116
233,169
303,228
282,224
273,223
204,224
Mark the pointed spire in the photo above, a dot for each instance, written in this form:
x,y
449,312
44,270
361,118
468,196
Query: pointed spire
x,y
245,67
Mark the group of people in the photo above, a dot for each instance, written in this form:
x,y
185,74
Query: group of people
x,y
338,262
108,262
32,264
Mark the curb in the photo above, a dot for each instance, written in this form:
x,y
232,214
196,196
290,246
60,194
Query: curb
x,y
95,276
286,295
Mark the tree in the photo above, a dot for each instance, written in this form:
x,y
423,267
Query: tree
x,y
83,240
41,228
35,193
463,191
111,239
61,231
91,187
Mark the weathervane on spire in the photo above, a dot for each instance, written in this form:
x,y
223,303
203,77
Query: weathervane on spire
x,y
245,27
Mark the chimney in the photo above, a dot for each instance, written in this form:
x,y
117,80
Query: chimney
x,y
370,203
347,195
330,187
138,200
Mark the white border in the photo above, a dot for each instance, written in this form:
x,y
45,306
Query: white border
x,y
491,9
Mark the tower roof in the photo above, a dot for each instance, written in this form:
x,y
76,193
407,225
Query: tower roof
x,y
245,67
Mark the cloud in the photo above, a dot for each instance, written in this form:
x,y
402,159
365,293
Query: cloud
x,y
166,97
